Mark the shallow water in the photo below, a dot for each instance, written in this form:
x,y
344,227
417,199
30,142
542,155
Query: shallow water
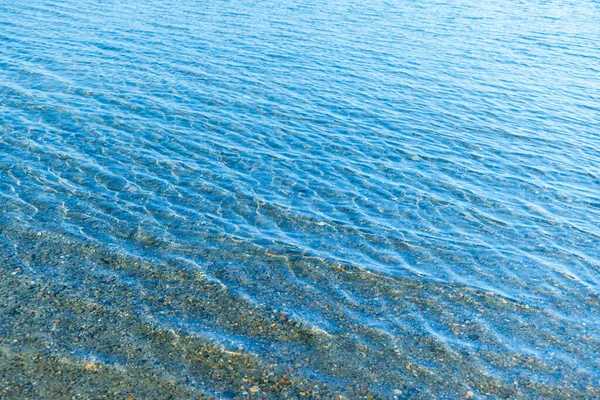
x,y
299,199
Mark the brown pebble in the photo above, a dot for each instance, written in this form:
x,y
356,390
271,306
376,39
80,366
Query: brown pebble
x,y
89,367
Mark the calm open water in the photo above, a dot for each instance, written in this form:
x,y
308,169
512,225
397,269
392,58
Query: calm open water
x,y
287,199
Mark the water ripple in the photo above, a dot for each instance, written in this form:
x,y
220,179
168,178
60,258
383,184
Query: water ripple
x,y
312,199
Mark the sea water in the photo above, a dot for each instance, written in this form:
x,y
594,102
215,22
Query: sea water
x,y
300,199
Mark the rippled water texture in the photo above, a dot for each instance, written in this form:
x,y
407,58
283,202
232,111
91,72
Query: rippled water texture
x,y
288,199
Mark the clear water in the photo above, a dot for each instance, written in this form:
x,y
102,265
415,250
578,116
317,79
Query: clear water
x,y
282,199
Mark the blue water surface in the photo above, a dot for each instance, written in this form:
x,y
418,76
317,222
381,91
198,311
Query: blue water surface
x,y
413,185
